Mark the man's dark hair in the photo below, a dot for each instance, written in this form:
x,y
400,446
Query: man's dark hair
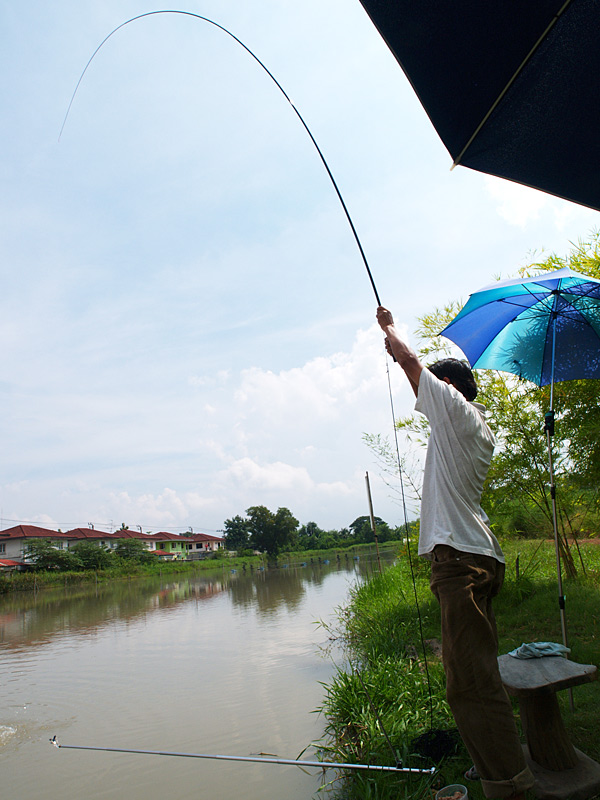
x,y
459,373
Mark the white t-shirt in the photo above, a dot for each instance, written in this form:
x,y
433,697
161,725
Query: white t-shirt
x,y
459,452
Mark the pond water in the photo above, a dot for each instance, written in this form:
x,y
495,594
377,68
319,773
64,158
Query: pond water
x,y
222,662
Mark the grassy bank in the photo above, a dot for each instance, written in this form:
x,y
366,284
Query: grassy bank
x,y
126,570
384,686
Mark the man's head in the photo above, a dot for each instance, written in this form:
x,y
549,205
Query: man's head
x,y
458,373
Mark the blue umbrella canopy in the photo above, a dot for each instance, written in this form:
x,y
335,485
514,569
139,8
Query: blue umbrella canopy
x,y
545,329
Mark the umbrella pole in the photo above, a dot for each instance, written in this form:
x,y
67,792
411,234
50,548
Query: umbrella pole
x,y
549,429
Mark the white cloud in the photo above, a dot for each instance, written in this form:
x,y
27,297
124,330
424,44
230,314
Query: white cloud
x,y
165,507
322,391
181,293
288,438
517,204
168,508
521,206
247,474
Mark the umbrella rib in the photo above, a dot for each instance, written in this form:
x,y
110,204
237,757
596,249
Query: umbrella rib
x,y
541,300
508,302
518,71
586,294
578,315
546,308
542,297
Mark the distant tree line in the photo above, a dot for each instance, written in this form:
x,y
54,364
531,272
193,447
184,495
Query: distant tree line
x,y
273,532
261,531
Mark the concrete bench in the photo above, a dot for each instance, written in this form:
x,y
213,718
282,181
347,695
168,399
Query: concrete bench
x,y
560,770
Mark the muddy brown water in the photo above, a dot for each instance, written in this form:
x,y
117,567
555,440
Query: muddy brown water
x,y
226,663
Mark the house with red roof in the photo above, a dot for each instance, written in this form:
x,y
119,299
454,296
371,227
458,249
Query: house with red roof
x,y
169,546
190,546
204,544
8,565
107,540
13,541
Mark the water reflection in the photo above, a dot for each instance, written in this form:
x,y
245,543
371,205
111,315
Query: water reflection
x,y
218,662
33,618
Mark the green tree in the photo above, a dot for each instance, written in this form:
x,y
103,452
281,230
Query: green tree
x,y
46,556
363,532
237,533
517,495
344,536
271,533
310,536
133,550
91,554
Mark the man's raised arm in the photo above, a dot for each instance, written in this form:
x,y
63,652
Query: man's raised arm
x,y
399,349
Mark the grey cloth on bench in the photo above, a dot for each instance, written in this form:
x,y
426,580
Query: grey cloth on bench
x,y
539,650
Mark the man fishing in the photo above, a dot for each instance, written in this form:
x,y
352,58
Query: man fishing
x,y
467,564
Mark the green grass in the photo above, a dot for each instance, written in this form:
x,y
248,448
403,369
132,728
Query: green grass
x,y
379,629
35,581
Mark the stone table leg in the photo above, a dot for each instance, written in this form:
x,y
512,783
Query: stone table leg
x,y
547,739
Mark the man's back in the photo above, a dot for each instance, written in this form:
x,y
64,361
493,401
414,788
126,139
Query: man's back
x,y
459,452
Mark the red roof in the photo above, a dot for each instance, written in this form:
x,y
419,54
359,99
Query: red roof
x,y
8,562
24,531
204,537
88,533
164,536
125,533
33,531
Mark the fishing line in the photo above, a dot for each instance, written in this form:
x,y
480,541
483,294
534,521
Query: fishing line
x,y
408,545
275,81
435,743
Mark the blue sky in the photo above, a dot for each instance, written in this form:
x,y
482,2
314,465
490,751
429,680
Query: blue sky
x,y
186,325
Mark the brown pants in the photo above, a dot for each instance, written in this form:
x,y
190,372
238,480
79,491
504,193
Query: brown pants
x,y
464,585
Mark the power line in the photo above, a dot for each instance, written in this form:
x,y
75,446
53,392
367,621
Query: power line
x,y
100,526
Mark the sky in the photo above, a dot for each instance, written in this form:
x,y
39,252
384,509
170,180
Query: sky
x,y
187,328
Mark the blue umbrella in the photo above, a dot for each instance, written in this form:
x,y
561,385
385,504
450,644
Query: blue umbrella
x,y
545,329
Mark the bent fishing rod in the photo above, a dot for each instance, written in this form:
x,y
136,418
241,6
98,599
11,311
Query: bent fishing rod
x,y
252,759
320,764
275,81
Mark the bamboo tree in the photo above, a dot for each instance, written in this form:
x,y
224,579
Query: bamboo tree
x,y
517,493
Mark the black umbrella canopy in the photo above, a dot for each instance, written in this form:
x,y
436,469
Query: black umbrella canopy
x,y
511,86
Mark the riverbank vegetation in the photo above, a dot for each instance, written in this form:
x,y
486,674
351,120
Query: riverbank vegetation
x,y
262,538
390,691
128,566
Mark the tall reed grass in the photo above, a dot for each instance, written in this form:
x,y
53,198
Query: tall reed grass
x,y
388,638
